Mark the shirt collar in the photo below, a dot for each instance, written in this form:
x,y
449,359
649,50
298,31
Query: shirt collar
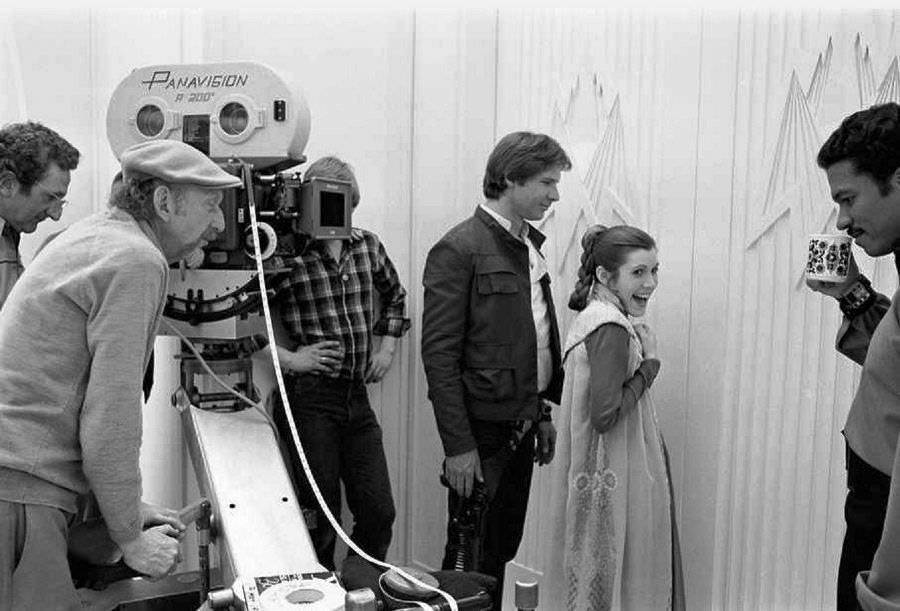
x,y
507,224
9,231
309,245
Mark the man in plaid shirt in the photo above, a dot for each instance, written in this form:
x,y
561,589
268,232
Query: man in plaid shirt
x,y
339,294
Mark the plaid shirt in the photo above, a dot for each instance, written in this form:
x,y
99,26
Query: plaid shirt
x,y
324,299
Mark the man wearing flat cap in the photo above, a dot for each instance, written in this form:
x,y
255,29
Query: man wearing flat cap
x,y
75,336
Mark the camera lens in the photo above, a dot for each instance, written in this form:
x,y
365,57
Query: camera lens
x,y
150,120
233,118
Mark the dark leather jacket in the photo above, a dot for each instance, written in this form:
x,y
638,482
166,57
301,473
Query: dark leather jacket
x,y
478,338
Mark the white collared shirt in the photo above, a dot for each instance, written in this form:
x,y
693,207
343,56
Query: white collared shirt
x,y
537,267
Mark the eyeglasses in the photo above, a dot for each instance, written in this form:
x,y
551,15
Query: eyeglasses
x,y
53,197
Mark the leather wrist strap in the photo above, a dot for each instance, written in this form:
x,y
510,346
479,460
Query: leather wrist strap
x,y
858,298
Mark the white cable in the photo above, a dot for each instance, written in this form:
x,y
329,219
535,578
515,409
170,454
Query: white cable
x,y
248,185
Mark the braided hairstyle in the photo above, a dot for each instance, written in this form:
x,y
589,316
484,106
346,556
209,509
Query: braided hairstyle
x,y
607,247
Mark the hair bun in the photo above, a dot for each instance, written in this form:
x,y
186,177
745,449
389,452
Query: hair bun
x,y
592,232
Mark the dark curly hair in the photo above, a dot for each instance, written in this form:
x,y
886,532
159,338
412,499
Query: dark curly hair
x,y
870,139
606,247
27,150
519,156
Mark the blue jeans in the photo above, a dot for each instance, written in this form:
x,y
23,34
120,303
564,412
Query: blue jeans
x,y
342,441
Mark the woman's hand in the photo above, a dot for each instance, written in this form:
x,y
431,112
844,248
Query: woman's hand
x,y
648,339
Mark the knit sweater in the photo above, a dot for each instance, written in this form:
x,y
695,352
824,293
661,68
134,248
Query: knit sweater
x,y
75,336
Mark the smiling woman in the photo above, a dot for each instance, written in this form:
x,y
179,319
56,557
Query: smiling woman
x,y
613,507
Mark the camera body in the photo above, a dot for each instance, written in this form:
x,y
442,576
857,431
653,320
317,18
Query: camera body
x,y
227,110
289,211
243,115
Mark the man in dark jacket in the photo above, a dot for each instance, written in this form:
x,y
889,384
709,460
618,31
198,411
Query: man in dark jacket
x,y
491,350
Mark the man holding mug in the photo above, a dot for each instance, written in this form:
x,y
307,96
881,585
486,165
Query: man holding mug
x,y
862,161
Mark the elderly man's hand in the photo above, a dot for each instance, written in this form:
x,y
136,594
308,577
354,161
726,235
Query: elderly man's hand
x,y
154,552
154,515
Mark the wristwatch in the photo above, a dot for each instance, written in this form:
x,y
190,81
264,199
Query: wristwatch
x,y
857,298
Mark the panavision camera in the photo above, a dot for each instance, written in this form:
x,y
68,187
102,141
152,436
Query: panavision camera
x,y
242,115
249,120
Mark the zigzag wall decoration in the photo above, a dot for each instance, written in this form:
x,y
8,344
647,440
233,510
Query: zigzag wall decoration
x,y
865,75
819,78
797,188
604,191
889,90
796,185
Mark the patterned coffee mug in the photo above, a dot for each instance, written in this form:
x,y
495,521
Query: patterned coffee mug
x,y
828,259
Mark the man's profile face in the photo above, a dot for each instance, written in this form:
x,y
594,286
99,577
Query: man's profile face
x,y
870,218
44,200
197,220
532,199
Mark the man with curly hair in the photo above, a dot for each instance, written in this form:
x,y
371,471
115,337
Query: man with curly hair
x,y
862,161
35,167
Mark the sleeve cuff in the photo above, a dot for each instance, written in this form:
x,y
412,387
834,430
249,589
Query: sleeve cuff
x,y
870,600
125,534
396,327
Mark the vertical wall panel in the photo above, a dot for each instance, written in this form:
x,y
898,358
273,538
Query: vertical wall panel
x,y
786,392
715,137
453,134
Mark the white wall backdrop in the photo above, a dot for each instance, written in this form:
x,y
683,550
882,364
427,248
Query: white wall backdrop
x,y
700,126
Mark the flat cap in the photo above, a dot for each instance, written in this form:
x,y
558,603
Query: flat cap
x,y
174,162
